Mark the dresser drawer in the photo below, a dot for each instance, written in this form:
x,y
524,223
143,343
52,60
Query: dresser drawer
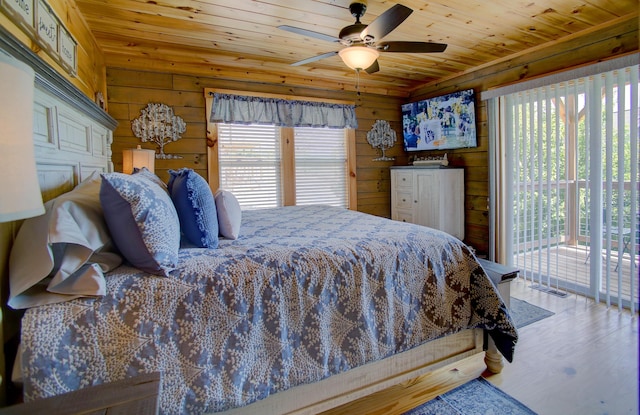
x,y
403,179
403,216
403,199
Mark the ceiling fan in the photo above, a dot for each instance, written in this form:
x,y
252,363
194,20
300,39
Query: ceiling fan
x,y
363,41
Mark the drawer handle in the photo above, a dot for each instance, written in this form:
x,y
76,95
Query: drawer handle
x,y
404,179
404,200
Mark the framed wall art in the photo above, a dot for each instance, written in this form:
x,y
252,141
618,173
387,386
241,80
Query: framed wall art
x,y
20,12
38,21
67,51
47,28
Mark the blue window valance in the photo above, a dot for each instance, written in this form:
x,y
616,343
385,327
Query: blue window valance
x,y
240,109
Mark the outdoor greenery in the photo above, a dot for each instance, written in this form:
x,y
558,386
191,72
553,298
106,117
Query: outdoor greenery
x,y
548,144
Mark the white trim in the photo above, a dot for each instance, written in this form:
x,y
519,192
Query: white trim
x,y
589,70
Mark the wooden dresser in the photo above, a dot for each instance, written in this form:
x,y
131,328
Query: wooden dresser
x,y
431,196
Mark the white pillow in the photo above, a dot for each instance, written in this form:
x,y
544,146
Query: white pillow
x,y
229,214
62,254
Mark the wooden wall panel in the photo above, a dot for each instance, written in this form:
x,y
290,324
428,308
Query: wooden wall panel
x,y
374,183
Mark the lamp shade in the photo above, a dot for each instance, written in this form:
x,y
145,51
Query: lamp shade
x,y
138,158
20,196
358,57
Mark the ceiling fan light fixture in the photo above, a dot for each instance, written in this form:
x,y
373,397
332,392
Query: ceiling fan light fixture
x,y
358,57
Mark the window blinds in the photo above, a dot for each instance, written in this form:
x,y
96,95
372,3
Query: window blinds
x,y
321,167
567,188
250,165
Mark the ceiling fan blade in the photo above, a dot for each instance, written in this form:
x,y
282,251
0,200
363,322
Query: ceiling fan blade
x,y
385,23
308,33
411,47
373,68
314,58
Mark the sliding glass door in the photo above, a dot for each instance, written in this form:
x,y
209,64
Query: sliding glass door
x,y
567,185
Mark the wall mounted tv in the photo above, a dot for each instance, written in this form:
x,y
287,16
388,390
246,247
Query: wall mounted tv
x,y
440,123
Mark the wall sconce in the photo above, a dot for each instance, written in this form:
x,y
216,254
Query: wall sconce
x,y
138,158
382,136
158,124
21,196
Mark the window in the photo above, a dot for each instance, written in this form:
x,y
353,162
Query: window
x,y
320,166
249,164
571,177
267,166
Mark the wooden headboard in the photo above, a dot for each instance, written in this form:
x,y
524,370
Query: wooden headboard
x,y
72,138
69,145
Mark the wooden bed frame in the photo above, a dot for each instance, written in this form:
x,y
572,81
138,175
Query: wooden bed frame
x,y
73,138
373,377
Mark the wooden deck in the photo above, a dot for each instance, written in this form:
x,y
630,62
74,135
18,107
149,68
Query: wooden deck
x,y
569,267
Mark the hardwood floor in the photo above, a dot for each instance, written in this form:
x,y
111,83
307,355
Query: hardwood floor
x,y
582,360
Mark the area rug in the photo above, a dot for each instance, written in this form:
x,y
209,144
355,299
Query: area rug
x,y
477,397
524,313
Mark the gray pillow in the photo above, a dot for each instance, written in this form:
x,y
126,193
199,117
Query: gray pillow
x,y
142,220
62,254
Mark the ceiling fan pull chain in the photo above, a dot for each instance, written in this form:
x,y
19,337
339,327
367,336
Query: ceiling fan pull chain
x,y
358,82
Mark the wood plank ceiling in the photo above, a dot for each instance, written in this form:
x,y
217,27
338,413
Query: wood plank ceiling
x,y
239,39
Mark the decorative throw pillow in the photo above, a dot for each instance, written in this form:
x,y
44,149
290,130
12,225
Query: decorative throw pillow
x,y
196,207
63,254
229,214
142,220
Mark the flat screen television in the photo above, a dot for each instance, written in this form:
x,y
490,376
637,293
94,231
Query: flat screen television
x,y
440,123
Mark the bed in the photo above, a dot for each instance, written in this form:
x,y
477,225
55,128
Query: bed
x,y
308,308
304,293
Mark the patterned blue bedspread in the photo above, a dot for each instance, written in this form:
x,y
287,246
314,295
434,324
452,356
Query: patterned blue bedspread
x,y
304,293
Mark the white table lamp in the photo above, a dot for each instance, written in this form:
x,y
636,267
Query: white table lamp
x,y
138,158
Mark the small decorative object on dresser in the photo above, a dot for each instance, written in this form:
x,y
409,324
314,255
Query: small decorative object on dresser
x,y
431,161
157,123
382,136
